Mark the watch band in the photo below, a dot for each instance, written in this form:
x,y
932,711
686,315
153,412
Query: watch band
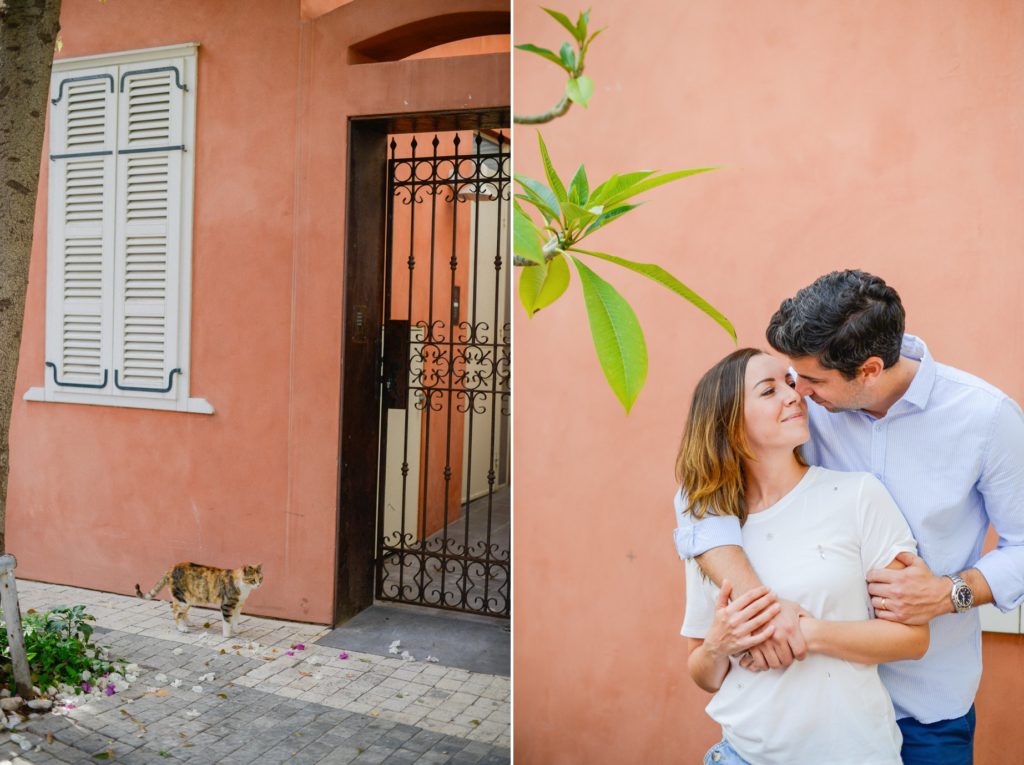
x,y
961,595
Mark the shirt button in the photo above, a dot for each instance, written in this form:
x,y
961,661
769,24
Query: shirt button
x,y
716,756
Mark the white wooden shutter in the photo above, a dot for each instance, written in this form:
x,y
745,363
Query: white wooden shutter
x,y
150,143
80,242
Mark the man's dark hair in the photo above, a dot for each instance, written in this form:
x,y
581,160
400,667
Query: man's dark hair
x,y
842,320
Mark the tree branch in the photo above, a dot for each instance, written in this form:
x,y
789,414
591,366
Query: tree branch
x,y
553,113
550,249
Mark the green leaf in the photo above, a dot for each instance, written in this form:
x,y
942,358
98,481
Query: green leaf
x,y
580,89
579,189
617,183
608,217
663,277
651,183
553,180
581,26
543,208
562,19
577,217
593,37
618,339
541,195
568,56
540,286
526,240
543,52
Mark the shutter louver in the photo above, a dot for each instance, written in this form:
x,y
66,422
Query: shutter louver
x,y
150,140
81,236
88,115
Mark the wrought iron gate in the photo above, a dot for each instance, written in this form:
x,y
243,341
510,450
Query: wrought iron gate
x,y
443,518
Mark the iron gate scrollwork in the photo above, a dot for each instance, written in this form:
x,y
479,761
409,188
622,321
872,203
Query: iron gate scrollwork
x,y
443,525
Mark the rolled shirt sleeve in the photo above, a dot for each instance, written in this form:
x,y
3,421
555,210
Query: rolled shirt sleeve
x,y
695,536
1002,486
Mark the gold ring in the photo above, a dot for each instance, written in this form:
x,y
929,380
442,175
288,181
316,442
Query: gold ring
x,y
883,604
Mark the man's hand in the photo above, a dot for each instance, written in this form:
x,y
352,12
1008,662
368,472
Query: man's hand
x,y
911,595
786,643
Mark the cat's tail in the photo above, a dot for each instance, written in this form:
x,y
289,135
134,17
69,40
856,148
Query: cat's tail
x,y
152,593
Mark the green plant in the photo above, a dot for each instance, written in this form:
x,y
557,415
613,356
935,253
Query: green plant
x,y
59,647
579,88
572,213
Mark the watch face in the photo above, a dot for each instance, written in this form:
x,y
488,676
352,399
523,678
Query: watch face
x,y
963,598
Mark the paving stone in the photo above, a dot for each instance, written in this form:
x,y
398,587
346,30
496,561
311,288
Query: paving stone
x,y
341,755
422,741
255,723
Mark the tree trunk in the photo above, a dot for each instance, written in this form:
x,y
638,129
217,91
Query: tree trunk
x,y
28,34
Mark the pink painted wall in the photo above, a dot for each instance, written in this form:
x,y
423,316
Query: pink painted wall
x,y
880,135
102,497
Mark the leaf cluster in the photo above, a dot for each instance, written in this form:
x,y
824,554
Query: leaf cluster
x,y
570,214
571,57
59,648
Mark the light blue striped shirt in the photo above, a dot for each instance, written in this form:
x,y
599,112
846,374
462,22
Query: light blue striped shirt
x,y
951,453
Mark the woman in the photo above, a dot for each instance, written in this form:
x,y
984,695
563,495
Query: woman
x,y
812,534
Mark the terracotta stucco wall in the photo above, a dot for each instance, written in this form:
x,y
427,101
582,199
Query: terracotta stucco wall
x,y
102,497
105,497
880,135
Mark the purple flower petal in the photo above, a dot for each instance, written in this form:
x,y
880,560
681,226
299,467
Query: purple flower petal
x,y
299,647
86,687
289,653
343,655
110,690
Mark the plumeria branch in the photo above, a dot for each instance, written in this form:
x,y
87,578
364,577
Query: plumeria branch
x,y
578,88
551,248
553,113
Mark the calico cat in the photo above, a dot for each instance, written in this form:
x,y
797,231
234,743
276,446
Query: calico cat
x,y
192,584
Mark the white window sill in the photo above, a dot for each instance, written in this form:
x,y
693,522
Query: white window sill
x,y
191,405
994,620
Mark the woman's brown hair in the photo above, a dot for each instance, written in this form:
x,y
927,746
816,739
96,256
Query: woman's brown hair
x,y
710,461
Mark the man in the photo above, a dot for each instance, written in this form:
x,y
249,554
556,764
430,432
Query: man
x,y
949,447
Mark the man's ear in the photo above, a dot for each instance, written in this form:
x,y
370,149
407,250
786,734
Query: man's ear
x,y
871,369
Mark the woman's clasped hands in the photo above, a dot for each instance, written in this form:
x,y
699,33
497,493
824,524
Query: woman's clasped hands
x,y
741,624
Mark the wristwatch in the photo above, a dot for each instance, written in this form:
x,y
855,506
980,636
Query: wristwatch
x,y
961,594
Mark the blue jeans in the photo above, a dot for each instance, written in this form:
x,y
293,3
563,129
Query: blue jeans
x,y
723,754
947,742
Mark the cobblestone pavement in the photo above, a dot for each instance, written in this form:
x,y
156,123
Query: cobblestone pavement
x,y
201,698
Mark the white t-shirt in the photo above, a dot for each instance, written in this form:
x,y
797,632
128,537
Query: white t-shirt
x,y
814,547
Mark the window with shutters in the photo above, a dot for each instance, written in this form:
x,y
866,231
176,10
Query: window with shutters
x,y
118,269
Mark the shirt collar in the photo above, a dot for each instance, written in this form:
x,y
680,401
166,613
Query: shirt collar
x,y
921,386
